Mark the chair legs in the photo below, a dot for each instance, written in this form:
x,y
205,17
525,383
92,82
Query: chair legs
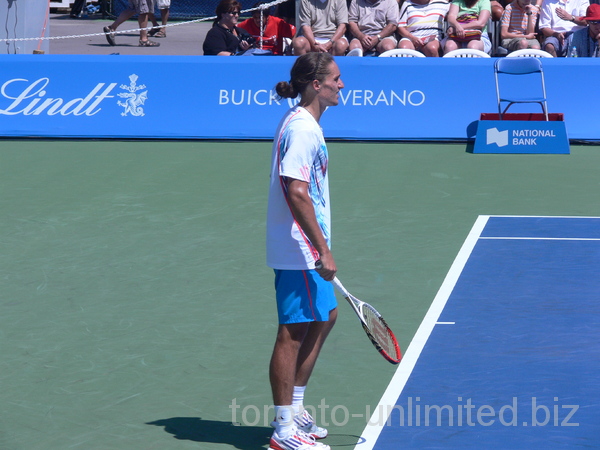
x,y
501,113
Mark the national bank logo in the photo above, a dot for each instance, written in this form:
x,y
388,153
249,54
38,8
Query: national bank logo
x,y
20,96
518,136
500,138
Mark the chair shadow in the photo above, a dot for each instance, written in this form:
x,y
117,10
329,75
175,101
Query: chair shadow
x,y
239,436
216,432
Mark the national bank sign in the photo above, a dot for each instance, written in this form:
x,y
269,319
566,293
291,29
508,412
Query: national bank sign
x,y
516,136
20,96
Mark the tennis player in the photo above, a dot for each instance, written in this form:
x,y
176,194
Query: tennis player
x,y
298,235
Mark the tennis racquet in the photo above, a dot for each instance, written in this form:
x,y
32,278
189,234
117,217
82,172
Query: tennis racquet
x,y
376,328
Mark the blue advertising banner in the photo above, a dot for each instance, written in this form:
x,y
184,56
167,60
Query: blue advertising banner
x,y
182,97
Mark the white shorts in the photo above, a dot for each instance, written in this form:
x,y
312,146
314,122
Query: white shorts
x,y
324,40
163,4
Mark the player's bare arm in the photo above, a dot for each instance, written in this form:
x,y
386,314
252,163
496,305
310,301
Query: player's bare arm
x,y
304,213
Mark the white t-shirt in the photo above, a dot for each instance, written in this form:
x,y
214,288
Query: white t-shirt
x,y
299,152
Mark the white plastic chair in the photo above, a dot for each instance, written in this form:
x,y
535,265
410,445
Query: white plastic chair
x,y
526,69
466,53
355,52
402,52
529,52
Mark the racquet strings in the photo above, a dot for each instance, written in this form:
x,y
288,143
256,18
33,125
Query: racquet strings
x,y
379,332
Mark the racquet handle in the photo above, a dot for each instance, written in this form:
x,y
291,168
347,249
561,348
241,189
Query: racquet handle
x,y
337,283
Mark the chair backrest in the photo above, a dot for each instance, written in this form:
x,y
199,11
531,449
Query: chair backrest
x,y
355,52
402,52
466,53
529,52
518,66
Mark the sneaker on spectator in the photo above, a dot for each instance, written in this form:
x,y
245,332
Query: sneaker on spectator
x,y
306,423
298,440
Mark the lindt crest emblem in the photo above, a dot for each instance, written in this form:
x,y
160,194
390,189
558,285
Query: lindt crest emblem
x,y
133,99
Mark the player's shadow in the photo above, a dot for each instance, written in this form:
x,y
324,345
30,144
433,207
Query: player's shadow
x,y
241,437
216,432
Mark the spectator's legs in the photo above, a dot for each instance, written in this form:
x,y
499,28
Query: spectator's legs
x,y
124,16
143,23
476,44
300,45
550,49
406,43
432,49
385,45
164,16
339,47
78,5
450,45
355,43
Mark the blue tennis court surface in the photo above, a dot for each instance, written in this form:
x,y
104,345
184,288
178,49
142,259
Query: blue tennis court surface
x,y
508,355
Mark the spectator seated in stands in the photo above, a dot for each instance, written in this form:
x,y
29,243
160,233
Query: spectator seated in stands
x,y
467,26
275,30
518,26
421,25
322,27
586,41
373,24
225,38
558,20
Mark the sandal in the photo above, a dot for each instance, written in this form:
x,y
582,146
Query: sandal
x,y
160,34
110,35
149,43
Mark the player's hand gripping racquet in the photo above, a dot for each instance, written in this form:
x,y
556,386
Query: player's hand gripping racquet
x,y
377,330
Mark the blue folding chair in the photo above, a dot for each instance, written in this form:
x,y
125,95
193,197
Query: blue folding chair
x,y
522,68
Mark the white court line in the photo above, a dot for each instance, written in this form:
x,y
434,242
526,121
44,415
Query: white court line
x,y
388,400
538,239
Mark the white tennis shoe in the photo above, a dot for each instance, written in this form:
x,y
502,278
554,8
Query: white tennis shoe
x,y
298,440
306,423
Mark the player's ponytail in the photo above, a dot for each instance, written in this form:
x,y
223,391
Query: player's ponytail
x,y
307,68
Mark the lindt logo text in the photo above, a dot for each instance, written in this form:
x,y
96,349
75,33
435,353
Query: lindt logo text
x,y
30,99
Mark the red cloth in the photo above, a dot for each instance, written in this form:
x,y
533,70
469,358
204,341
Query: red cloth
x,y
272,38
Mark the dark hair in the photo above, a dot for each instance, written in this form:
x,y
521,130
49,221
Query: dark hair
x,y
307,68
225,6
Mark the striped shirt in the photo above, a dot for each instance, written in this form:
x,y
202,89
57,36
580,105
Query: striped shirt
x,y
423,20
515,19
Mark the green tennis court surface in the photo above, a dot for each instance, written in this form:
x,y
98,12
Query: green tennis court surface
x,y
137,311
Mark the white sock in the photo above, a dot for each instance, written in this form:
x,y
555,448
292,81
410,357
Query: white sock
x,y
298,399
284,420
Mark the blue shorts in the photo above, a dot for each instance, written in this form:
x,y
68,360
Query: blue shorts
x,y
303,296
